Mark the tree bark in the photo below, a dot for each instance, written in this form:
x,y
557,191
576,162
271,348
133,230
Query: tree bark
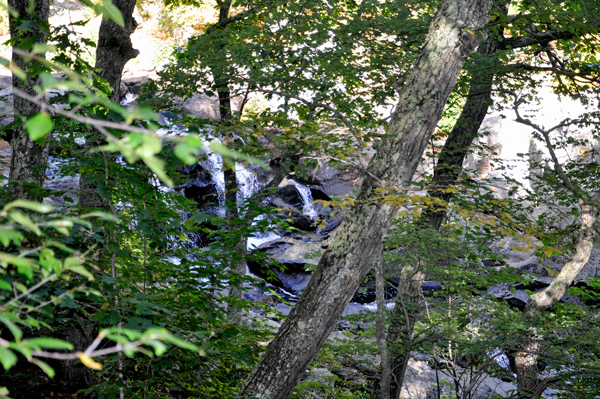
x,y
28,160
450,161
352,252
528,384
115,48
446,173
384,391
113,52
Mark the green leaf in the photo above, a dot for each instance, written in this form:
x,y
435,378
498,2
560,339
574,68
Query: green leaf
x,y
234,155
41,48
82,271
163,334
16,331
25,221
25,270
44,366
5,285
34,206
159,347
7,358
49,343
112,12
39,126
158,167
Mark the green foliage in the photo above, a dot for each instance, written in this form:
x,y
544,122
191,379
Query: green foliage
x,y
131,273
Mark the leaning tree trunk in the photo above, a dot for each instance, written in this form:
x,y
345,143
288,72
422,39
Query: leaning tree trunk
x,y
113,52
350,256
28,160
450,161
528,384
449,165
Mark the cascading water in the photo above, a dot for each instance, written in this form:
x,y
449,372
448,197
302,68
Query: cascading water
x,y
308,208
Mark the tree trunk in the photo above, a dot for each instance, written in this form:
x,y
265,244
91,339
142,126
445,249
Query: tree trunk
x,y
384,391
115,48
113,51
28,160
402,322
449,165
528,384
352,252
450,161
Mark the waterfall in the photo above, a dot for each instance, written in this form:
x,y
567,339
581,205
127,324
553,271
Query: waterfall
x,y
308,208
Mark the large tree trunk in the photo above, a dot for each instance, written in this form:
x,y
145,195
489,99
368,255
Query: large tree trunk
x,y
449,165
115,48
528,384
113,51
28,160
450,161
351,254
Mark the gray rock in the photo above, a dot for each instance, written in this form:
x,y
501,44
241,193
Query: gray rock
x,y
293,282
318,384
354,308
289,194
283,309
420,383
344,325
322,376
256,321
338,181
254,294
202,107
338,336
517,299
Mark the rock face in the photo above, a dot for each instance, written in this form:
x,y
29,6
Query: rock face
x,y
294,254
205,107
339,182
421,383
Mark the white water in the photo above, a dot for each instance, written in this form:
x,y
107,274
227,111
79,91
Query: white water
x,y
308,208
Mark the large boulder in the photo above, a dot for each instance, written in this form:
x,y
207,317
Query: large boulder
x,y
339,181
294,254
421,382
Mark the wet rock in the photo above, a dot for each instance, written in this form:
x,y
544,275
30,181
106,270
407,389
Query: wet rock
x,y
270,300
318,194
294,282
294,255
254,294
430,287
331,223
201,187
289,195
344,325
303,222
517,299
339,181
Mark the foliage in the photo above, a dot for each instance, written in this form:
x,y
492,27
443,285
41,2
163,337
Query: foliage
x,y
135,270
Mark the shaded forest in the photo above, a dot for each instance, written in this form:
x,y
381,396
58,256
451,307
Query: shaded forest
x,y
317,199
